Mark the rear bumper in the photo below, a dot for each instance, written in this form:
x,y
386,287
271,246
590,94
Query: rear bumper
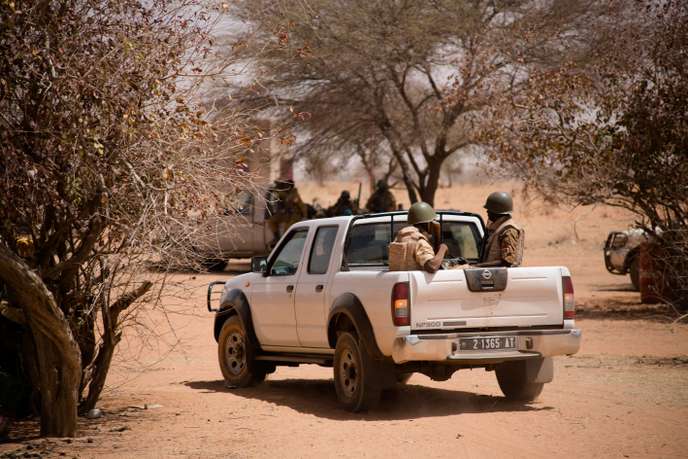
x,y
445,347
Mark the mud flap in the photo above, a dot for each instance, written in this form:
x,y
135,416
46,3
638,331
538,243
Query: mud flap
x,y
540,370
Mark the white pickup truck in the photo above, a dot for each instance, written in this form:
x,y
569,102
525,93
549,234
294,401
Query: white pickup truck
x,y
326,296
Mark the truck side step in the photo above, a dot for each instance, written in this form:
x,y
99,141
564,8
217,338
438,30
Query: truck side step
x,y
296,358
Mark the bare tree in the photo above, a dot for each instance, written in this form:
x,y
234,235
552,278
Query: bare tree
x,y
101,153
614,131
321,153
414,75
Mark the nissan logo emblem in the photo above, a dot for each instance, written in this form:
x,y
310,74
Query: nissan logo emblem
x,y
486,274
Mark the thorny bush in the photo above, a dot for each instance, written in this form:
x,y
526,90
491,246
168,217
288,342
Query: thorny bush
x,y
102,151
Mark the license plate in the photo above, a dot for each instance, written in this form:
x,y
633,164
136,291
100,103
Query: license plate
x,y
487,343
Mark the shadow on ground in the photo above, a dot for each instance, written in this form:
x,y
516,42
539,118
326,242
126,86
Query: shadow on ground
x,y
615,288
112,420
613,309
23,430
317,397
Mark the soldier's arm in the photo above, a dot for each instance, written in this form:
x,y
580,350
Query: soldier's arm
x,y
433,264
508,244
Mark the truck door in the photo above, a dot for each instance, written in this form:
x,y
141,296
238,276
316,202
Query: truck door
x,y
260,228
311,304
233,234
272,297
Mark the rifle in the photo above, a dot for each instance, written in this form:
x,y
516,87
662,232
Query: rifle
x,y
436,230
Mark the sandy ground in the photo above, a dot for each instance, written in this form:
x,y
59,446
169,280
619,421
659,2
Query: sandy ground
x,y
623,395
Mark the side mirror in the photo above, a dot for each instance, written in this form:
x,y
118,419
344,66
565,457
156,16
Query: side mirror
x,y
258,264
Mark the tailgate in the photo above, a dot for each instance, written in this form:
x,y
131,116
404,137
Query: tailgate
x,y
531,297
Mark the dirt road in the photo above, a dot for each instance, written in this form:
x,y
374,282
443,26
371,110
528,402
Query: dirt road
x,y
624,395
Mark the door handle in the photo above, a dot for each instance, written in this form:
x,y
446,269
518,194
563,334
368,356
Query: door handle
x,y
319,288
290,288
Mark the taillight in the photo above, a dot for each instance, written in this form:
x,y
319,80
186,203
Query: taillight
x,y
400,304
569,303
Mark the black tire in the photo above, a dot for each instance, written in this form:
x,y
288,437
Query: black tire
x,y
634,271
354,378
513,380
236,354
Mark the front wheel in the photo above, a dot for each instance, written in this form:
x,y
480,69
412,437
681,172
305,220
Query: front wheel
x,y
353,375
515,382
236,355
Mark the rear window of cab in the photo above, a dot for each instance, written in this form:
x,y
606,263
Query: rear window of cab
x,y
369,242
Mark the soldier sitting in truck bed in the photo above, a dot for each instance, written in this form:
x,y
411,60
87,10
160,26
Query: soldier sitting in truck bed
x,y
411,249
504,243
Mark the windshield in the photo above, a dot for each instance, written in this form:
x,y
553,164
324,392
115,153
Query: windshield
x,y
287,260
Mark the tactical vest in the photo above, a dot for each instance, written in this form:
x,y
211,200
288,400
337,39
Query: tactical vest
x,y
493,249
402,253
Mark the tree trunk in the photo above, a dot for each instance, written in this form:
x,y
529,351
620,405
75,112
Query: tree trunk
x,y
413,197
57,354
371,181
58,387
111,338
101,366
429,188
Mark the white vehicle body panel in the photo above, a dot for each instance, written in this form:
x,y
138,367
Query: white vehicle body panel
x,y
312,305
273,311
532,297
373,289
617,257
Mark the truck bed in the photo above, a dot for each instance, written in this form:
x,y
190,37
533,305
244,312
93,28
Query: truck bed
x,y
532,298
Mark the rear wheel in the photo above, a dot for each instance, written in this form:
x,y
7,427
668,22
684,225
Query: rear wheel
x,y
236,355
515,383
353,375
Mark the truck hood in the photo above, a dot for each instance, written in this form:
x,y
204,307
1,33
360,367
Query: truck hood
x,y
239,282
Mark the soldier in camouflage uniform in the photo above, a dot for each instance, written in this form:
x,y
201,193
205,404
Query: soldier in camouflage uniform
x,y
343,206
285,208
382,200
411,249
505,239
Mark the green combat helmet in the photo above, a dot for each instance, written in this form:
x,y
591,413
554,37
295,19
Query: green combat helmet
x,y
421,212
499,203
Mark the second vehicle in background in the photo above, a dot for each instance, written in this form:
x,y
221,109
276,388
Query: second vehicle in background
x,y
622,253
